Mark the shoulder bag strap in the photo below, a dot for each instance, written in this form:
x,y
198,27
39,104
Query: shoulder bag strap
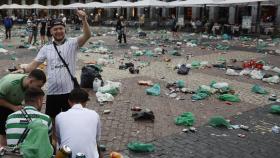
x,y
63,61
26,130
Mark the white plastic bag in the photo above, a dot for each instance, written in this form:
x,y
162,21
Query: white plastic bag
x,y
266,67
276,69
232,72
96,84
273,79
104,97
245,72
256,74
220,85
2,50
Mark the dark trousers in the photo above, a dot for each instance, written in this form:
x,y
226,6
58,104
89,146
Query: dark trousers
x,y
121,35
8,32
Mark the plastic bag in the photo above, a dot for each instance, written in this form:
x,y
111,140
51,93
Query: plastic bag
x,y
220,85
89,73
273,79
183,70
256,74
199,96
154,90
276,69
206,89
186,119
37,143
104,97
180,84
245,72
218,121
110,87
232,72
141,147
275,109
258,89
229,97
195,64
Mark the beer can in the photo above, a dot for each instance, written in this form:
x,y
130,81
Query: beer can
x,y
64,152
80,155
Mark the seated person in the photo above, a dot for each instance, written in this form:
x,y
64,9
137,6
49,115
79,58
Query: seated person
x,y
17,122
79,127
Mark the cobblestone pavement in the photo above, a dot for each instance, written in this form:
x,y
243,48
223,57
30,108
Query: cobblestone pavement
x,y
119,128
211,142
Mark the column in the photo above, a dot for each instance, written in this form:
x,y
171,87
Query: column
x,y
213,13
277,20
128,12
9,10
23,2
140,11
254,12
180,11
165,11
195,12
152,13
231,18
36,10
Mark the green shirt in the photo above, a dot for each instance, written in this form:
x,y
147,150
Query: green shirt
x,y
11,88
16,123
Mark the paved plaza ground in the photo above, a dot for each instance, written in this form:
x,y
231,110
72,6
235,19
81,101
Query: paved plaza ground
x,y
119,128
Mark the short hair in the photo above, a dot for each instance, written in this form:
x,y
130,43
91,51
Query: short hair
x,y
78,95
32,94
38,75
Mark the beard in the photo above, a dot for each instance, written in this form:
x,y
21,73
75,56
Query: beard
x,y
58,39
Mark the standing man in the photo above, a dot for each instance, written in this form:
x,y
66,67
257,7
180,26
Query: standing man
x,y
59,80
12,89
120,28
35,23
79,127
8,23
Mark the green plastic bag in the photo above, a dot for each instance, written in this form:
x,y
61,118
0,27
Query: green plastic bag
x,y
195,64
149,53
222,47
154,91
186,119
258,89
199,96
218,121
226,37
37,143
275,109
180,83
229,97
141,147
138,53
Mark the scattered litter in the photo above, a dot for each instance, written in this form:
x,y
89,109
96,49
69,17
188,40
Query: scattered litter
x,y
218,121
141,147
154,90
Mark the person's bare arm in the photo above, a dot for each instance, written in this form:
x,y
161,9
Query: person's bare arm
x,y
28,68
86,30
6,104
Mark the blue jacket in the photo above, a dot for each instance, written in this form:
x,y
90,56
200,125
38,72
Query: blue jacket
x,y
8,22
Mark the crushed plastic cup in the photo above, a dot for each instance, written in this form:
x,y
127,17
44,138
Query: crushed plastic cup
x,y
275,129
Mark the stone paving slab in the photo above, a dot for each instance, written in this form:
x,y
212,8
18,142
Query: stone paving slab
x,y
209,142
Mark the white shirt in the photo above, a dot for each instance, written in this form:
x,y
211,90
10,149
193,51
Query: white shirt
x,y
80,129
58,78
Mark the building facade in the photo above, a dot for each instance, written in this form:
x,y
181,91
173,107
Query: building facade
x,y
231,15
